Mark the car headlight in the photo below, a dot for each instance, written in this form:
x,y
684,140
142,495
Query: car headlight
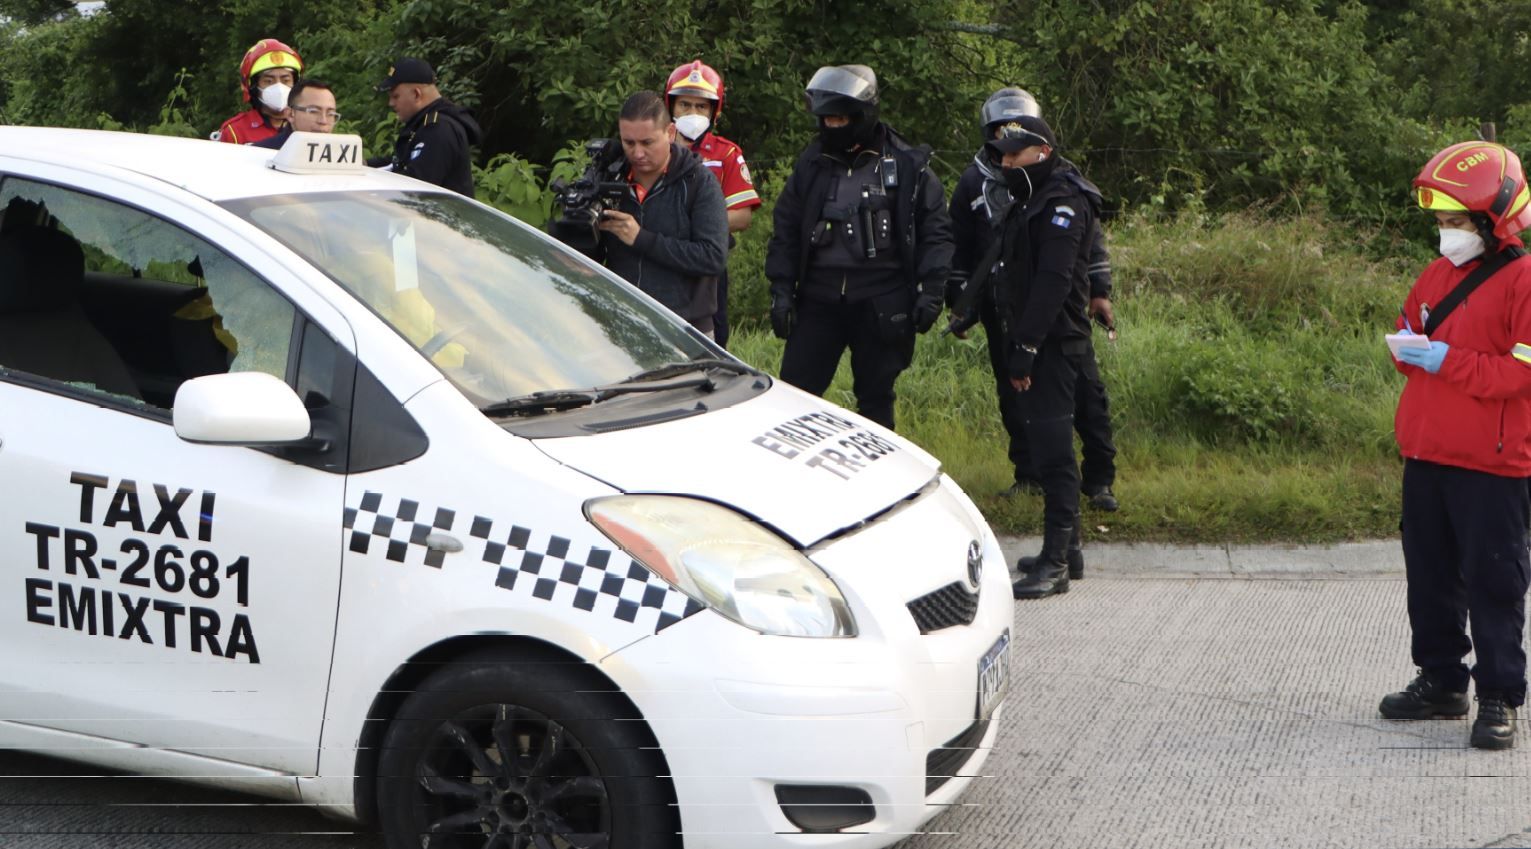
x,y
726,561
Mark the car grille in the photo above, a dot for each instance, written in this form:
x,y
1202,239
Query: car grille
x,y
943,764
947,607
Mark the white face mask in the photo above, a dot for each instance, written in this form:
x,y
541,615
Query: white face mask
x,y
1460,246
274,96
692,126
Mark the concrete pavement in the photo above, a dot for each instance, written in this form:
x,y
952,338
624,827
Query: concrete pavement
x,y
1210,697
1225,696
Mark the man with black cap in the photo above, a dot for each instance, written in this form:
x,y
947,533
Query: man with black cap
x,y
978,207
433,143
1041,294
862,246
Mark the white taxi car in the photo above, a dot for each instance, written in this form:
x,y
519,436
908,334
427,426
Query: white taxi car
x,y
325,484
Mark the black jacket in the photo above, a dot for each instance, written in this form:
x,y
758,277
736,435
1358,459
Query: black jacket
x,y
919,216
1041,286
433,146
682,244
978,206
276,141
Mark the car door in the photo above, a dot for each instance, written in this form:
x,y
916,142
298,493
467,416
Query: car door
x,y
170,594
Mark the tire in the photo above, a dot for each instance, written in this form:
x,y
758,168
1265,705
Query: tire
x,y
503,754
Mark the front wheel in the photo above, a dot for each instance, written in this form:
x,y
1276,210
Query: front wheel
x,y
508,754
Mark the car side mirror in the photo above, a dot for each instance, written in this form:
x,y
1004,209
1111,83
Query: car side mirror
x,y
240,408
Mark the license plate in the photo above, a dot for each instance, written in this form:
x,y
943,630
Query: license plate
x,y
993,676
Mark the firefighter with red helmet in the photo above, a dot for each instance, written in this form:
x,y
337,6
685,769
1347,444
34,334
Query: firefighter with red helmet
x,y
1464,429
694,94
266,76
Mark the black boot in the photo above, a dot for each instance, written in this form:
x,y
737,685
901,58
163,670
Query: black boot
x,y
1027,565
1424,698
1050,573
1495,726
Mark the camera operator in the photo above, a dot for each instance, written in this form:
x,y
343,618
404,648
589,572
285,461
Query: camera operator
x,y
668,234
861,249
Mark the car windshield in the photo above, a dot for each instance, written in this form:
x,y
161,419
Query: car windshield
x,y
502,312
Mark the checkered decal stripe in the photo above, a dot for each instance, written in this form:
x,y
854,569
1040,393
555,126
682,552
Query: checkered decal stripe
x,y
399,530
619,587
597,583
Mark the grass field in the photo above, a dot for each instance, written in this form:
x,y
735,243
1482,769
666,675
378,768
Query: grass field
x,y
1252,395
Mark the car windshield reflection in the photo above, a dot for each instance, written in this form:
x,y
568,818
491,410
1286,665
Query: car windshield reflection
x,y
502,312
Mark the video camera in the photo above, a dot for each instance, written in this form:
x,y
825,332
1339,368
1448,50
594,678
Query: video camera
x,y
600,188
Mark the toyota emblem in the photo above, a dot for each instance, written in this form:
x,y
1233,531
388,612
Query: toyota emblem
x,y
975,563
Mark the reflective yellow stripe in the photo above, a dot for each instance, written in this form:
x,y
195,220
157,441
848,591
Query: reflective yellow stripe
x,y
1521,352
735,199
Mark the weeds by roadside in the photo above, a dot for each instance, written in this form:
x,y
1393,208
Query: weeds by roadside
x,y
1251,392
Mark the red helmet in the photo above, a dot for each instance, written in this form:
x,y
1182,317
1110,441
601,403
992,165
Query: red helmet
x,y
1477,177
266,54
694,79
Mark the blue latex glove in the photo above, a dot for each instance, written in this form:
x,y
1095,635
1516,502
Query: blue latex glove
x,y
1429,359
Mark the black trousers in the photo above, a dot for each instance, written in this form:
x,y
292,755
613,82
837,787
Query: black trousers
x,y
1046,413
1464,552
1092,415
824,331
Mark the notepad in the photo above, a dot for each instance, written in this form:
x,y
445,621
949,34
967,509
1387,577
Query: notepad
x,y
1398,341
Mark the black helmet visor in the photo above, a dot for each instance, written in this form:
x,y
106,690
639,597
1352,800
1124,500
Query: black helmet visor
x,y
842,80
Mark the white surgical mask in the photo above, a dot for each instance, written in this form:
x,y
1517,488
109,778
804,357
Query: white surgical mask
x,y
1460,246
692,126
274,96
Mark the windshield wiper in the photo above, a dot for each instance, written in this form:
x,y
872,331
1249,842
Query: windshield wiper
x,y
546,401
553,400
672,369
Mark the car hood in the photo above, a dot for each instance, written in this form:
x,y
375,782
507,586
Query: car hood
x,y
786,458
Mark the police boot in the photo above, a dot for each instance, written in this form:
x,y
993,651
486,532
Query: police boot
x,y
1049,574
1495,726
1425,698
1026,565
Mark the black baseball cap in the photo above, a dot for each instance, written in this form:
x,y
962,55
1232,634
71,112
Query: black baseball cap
x,y
407,69
1021,133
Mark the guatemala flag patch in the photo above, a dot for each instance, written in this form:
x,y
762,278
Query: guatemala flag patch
x,y
1063,216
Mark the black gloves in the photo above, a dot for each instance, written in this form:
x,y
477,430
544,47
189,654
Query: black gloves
x,y
927,308
783,314
1020,360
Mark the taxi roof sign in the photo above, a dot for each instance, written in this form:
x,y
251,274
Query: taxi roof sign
x,y
320,153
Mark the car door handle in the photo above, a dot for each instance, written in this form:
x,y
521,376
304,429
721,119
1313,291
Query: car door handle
x,y
438,541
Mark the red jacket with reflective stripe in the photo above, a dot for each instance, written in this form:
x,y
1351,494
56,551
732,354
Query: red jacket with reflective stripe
x,y
1475,413
248,127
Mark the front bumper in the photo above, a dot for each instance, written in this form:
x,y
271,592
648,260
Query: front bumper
x,y
739,714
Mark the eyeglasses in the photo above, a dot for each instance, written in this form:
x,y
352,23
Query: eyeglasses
x,y
318,111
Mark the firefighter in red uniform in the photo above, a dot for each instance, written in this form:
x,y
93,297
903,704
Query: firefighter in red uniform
x,y
1464,429
695,97
266,76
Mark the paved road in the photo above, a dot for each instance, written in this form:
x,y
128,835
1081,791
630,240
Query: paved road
x,y
1173,699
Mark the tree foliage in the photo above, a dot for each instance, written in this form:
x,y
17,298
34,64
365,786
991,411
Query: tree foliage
x,y
1168,104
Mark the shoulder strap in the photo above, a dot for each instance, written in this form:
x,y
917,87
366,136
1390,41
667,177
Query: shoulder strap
x,y
1472,281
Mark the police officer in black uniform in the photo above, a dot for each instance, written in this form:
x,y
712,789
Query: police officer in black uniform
x,y
978,204
1041,293
435,140
862,246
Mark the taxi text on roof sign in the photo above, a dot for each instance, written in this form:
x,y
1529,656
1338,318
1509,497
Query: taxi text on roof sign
x,y
320,153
